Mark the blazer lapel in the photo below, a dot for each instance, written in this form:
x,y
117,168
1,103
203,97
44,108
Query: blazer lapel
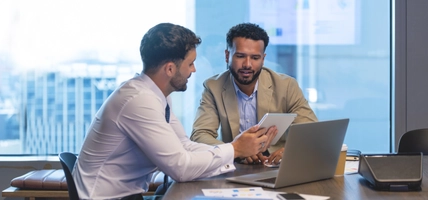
x,y
231,106
264,94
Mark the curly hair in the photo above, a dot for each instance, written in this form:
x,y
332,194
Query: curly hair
x,y
164,43
249,31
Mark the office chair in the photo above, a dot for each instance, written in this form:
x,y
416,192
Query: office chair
x,y
414,141
68,160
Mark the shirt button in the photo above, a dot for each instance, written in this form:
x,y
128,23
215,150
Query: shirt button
x,y
227,166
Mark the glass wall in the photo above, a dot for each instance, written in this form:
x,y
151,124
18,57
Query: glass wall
x,y
59,60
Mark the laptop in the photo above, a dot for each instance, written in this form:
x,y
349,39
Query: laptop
x,y
311,154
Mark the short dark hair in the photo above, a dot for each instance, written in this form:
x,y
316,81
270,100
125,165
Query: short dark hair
x,y
164,43
249,31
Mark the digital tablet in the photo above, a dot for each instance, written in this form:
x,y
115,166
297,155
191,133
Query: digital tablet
x,y
281,120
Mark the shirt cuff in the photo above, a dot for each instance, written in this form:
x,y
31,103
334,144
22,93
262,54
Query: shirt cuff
x,y
227,157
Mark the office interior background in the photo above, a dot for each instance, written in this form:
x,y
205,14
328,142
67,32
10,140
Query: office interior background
x,y
59,60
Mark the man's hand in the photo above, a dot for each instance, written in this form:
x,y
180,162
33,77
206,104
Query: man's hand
x,y
275,157
250,142
255,159
260,158
271,133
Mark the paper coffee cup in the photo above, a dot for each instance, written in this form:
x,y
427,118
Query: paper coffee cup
x,y
340,168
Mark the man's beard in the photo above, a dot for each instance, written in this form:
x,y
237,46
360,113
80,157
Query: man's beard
x,y
244,81
178,82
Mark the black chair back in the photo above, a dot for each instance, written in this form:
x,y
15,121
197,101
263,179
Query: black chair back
x,y
68,160
414,141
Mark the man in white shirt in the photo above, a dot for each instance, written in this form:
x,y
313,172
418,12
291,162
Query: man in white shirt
x,y
133,135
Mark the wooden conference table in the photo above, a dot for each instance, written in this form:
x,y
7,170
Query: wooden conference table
x,y
349,186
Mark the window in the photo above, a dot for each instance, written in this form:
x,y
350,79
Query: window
x,y
58,63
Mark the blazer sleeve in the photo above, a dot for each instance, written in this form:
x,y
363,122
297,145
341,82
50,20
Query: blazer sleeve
x,y
207,120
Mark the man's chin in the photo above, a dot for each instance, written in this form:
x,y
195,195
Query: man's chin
x,y
245,81
182,89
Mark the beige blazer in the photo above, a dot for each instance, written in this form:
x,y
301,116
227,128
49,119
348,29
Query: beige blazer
x,y
276,93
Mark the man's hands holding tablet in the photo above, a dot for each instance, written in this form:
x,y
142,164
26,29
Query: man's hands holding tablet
x,y
259,158
277,124
251,141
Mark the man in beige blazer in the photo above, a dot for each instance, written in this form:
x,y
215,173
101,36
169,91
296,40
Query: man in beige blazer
x,y
273,92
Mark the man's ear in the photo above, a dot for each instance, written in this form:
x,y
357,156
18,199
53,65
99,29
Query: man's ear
x,y
226,54
170,69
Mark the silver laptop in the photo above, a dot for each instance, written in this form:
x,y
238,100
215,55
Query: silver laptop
x,y
311,154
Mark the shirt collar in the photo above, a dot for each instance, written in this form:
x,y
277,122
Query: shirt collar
x,y
150,84
239,90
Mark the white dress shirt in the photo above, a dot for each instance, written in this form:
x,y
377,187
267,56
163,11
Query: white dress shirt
x,y
129,139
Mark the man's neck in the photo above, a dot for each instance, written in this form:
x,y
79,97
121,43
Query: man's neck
x,y
161,83
246,89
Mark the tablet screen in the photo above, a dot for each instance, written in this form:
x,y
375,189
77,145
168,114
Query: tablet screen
x,y
281,120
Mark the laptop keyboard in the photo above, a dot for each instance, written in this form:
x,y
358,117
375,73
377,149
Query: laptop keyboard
x,y
268,180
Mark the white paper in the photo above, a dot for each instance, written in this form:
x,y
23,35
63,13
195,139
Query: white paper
x,y
351,167
252,193
248,193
